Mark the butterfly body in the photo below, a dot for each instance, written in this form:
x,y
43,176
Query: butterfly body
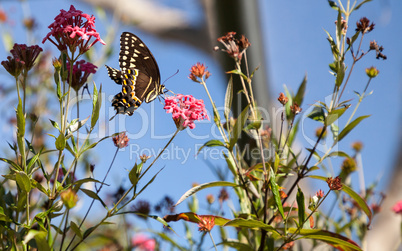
x,y
139,75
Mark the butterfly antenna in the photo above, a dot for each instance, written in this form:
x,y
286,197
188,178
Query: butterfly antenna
x,y
171,76
113,116
87,89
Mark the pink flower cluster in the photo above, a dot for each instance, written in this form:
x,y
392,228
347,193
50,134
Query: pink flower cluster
x,y
70,30
185,110
143,243
81,71
397,208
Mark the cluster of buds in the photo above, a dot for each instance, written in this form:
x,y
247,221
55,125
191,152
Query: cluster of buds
x,y
23,59
344,25
233,46
364,26
81,71
378,50
121,140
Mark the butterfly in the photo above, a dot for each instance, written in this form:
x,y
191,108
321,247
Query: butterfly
x,y
139,75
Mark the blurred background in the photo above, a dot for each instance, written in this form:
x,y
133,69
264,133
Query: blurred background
x,y
288,41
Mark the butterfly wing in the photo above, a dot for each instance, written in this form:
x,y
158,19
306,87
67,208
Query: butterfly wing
x,y
135,55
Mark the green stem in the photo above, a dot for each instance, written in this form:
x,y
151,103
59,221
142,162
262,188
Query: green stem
x,y
28,220
358,103
212,239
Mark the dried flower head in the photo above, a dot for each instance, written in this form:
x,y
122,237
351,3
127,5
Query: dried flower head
x,y
234,47
121,140
165,205
198,73
349,165
81,71
144,158
372,72
320,194
334,183
69,198
397,208
378,50
73,29
143,207
318,132
210,199
295,108
185,110
223,195
376,208
206,223
29,23
364,26
283,99
357,146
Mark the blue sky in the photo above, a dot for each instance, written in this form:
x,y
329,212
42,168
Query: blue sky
x,y
295,45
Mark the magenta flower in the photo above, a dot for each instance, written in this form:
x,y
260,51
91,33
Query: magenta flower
x,y
185,110
143,243
397,208
73,29
81,71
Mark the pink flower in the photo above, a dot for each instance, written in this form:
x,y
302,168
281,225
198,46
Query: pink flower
x,y
81,71
185,110
143,243
73,29
27,54
397,208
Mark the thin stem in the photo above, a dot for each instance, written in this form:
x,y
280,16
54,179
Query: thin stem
x,y
360,100
28,209
65,230
221,130
93,200
212,239
61,223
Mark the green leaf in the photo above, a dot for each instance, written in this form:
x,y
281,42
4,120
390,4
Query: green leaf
x,y
40,239
350,127
334,48
238,73
93,195
360,4
340,75
334,115
338,154
79,183
317,114
60,142
32,161
238,128
300,92
55,125
211,143
300,206
335,131
360,201
332,4
76,229
14,166
228,98
96,105
74,126
20,120
253,224
275,192
134,174
4,217
336,240
293,132
23,181
203,186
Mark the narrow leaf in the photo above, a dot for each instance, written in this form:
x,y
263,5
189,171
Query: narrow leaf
x,y
360,201
23,181
300,92
350,127
228,98
60,142
211,143
253,224
275,192
76,229
93,195
203,186
300,206
238,128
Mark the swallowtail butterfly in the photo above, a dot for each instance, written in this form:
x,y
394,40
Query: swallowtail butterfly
x,y
139,75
